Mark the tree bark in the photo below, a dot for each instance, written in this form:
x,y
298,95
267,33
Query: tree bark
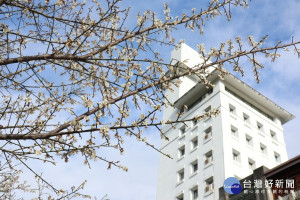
x,y
2,2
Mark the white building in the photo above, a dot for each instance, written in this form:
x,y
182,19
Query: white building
x,y
245,135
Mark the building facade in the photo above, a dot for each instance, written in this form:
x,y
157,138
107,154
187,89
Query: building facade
x,y
245,135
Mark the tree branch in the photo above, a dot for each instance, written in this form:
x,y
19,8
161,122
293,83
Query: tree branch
x,y
48,135
2,2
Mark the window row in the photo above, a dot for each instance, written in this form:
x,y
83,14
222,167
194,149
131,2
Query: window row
x,y
183,129
194,194
249,142
208,159
236,156
195,143
249,104
251,162
246,119
235,134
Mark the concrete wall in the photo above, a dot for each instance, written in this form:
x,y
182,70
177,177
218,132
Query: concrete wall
x,y
222,144
253,152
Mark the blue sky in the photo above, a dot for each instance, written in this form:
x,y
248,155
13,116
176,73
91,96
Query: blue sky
x,y
280,83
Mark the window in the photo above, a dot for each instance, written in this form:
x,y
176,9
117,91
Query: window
x,y
207,109
181,152
182,131
232,109
209,185
277,157
194,166
194,142
208,133
180,175
194,193
263,149
234,131
180,197
194,122
246,118
260,127
249,140
251,164
236,155
273,135
208,158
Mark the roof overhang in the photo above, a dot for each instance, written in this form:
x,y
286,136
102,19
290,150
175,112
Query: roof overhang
x,y
257,99
243,90
290,166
